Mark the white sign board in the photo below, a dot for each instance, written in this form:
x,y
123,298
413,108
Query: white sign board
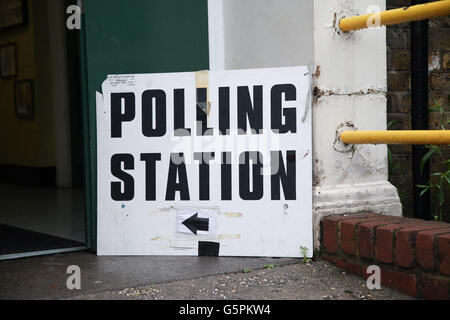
x,y
205,163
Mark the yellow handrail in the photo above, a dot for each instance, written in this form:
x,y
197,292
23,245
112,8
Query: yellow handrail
x,y
434,137
395,16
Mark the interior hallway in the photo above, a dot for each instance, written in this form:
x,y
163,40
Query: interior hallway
x,y
58,212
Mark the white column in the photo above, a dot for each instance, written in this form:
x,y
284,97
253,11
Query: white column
x,y
351,92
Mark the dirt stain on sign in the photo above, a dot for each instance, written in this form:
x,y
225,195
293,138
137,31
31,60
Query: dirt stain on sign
x,y
233,214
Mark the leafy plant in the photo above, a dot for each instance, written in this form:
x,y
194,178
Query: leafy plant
x,y
305,254
246,270
439,181
269,266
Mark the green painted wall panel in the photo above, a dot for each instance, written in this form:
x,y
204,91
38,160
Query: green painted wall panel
x,y
137,36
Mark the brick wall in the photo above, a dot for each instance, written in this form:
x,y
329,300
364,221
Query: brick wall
x,y
413,254
399,98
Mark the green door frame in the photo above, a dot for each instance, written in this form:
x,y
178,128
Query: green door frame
x,y
89,147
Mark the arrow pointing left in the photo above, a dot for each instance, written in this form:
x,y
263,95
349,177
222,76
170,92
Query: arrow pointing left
x,y
194,223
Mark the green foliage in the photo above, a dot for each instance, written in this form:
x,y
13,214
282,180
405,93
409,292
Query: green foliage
x,y
305,254
393,167
439,181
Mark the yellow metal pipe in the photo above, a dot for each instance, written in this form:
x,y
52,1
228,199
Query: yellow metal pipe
x,y
395,16
434,137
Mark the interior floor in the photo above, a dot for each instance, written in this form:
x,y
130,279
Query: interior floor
x,y
52,211
14,241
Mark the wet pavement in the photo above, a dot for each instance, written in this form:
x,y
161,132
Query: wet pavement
x,y
169,278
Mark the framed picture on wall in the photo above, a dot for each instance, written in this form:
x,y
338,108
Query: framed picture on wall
x,y
13,13
24,99
8,61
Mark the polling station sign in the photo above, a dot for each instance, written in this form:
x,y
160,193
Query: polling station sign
x,y
213,163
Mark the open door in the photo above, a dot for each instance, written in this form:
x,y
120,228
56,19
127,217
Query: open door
x,y
42,198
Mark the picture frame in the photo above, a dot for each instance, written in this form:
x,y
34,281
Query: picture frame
x,y
8,60
24,99
13,13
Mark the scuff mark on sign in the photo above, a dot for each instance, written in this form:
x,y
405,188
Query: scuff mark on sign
x,y
229,236
306,154
179,244
233,214
161,210
309,97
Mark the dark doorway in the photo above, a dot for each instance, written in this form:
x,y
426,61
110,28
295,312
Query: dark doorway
x,y
42,199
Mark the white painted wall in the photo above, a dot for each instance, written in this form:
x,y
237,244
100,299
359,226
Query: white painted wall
x,y
267,33
350,79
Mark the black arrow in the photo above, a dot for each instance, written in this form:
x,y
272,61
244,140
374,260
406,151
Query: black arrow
x,y
194,223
